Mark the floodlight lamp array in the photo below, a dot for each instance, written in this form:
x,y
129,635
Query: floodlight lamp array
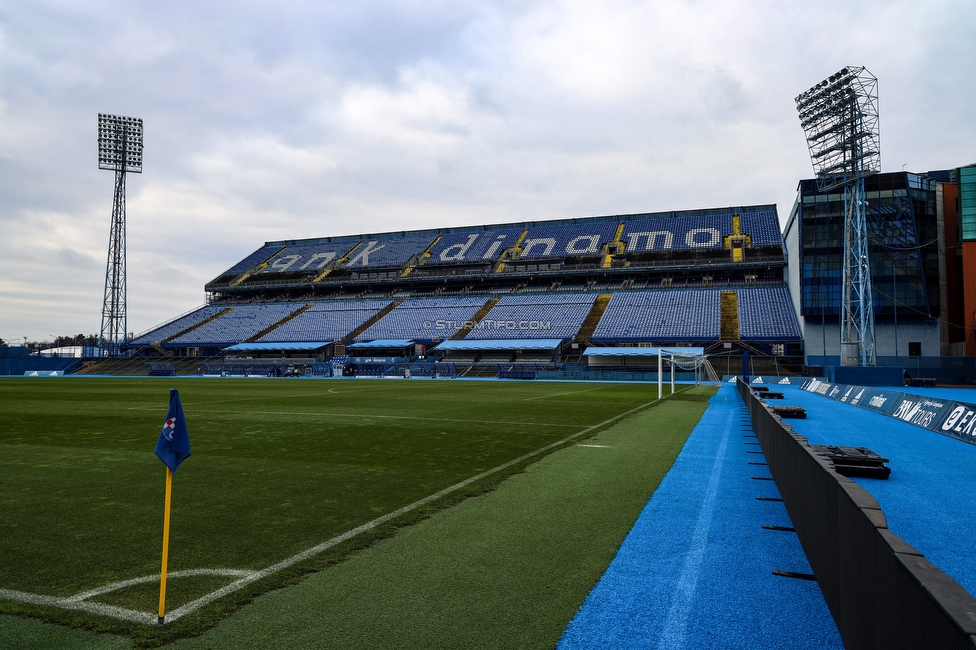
x,y
840,119
119,143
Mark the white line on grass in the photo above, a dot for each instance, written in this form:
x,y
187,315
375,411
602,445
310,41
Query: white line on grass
x,y
91,593
92,608
77,603
367,416
572,392
315,550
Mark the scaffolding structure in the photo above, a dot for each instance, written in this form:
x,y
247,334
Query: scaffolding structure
x,y
840,119
119,150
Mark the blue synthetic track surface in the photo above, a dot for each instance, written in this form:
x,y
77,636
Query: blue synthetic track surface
x,y
930,498
696,569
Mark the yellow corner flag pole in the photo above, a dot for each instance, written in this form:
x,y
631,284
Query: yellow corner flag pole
x,y
162,576
172,448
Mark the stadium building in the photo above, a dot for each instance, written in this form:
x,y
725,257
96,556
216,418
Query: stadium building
x,y
919,255
539,292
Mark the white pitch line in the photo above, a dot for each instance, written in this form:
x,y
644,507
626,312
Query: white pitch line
x,y
79,601
594,446
253,576
572,392
92,608
152,578
327,414
315,550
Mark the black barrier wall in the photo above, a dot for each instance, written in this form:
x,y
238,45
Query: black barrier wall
x,y
881,592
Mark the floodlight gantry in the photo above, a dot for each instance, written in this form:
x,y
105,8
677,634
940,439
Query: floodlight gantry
x,y
120,150
840,119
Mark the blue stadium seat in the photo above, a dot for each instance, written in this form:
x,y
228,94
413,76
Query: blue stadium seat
x,y
661,315
309,257
570,240
470,247
425,319
387,251
535,316
697,232
766,313
238,325
176,326
325,321
256,257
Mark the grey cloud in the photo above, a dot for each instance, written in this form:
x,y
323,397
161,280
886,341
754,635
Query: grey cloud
x,y
309,119
69,258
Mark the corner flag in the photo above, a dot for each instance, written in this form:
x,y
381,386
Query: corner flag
x,y
173,447
174,441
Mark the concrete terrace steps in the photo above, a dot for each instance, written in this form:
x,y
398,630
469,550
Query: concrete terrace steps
x,y
729,319
375,319
139,366
474,320
593,318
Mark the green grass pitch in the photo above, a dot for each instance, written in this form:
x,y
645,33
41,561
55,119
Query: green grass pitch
x,y
278,467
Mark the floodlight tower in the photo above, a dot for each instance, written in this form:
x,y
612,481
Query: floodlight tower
x,y
840,119
120,150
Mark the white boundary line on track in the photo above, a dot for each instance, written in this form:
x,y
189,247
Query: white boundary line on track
x,y
676,624
77,601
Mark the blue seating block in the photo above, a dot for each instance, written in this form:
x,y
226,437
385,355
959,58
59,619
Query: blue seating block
x,y
238,325
174,327
469,247
571,240
325,321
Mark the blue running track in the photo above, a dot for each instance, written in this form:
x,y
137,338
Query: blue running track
x,y
696,569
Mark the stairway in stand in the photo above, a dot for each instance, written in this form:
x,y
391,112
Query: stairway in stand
x,y
730,316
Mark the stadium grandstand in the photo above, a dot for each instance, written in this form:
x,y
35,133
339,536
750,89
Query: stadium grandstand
x,y
711,279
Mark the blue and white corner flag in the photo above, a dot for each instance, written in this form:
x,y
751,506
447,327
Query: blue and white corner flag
x,y
174,441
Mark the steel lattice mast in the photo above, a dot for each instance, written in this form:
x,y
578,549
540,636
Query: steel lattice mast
x,y
120,150
840,119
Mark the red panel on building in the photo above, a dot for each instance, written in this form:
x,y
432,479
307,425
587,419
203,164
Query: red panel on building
x,y
969,291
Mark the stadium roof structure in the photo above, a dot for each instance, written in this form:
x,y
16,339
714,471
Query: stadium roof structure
x,y
277,347
643,352
381,344
499,344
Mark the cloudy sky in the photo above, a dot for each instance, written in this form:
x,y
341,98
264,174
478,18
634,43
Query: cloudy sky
x,y
303,119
